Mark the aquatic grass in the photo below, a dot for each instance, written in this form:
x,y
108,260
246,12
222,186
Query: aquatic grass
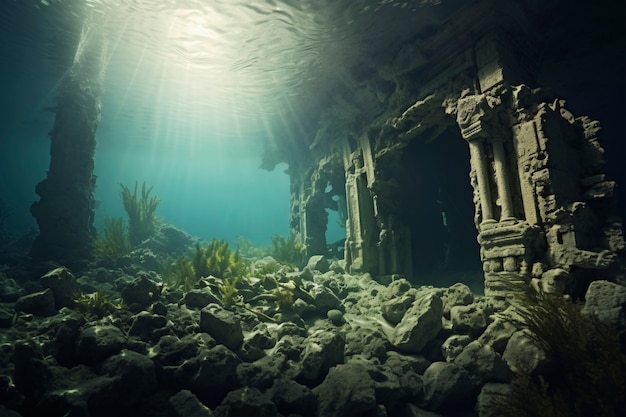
x,y
218,260
288,251
141,212
114,244
587,368
180,274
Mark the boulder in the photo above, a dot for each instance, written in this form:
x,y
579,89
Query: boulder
x,y
607,301
146,324
322,350
63,285
356,388
247,402
457,295
490,393
420,324
324,299
498,333
200,298
394,309
222,324
135,375
318,263
293,398
172,351
483,363
140,292
39,303
98,342
454,345
261,373
521,353
210,375
184,404
468,319
447,384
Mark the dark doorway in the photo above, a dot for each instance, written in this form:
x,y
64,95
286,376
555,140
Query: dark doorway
x,y
437,207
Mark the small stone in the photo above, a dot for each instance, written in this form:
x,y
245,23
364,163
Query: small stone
x,y
335,316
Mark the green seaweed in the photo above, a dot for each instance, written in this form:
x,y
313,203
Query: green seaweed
x,y
141,210
586,368
180,274
284,296
214,259
229,292
97,304
218,260
113,245
288,251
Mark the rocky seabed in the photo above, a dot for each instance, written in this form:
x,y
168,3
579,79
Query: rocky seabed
x,y
353,346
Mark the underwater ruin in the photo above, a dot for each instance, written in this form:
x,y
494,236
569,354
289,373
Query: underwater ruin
x,y
483,269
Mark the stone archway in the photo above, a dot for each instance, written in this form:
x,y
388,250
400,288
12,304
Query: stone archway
x,y
436,206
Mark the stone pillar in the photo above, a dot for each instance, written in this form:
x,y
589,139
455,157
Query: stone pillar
x,y
65,211
502,181
482,177
361,231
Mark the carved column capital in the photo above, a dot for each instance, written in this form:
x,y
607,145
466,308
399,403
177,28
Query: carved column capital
x,y
475,114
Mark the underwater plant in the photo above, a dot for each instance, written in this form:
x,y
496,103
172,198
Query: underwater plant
x,y
284,296
587,367
218,260
246,248
141,212
288,251
228,290
113,244
97,304
180,274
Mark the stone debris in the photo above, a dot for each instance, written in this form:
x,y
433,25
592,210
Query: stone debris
x,y
363,358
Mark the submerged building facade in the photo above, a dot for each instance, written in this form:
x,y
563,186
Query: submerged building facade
x,y
544,210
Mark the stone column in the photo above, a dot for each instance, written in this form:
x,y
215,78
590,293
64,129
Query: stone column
x,y
482,177
502,181
65,211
